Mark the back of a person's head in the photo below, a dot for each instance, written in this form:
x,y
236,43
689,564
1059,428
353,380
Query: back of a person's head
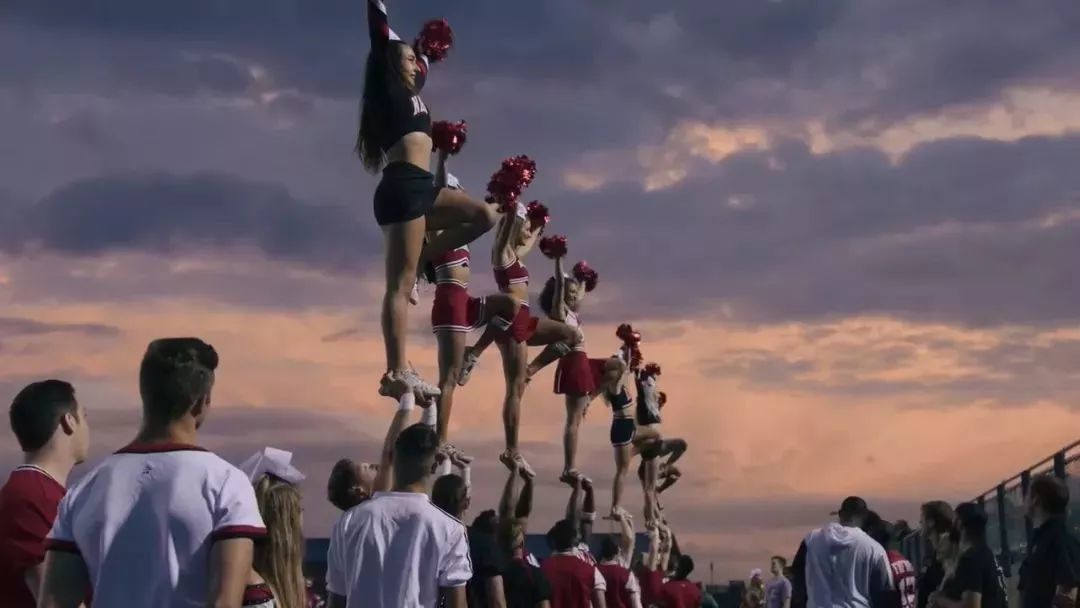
x,y
971,521
279,557
486,521
685,567
37,411
414,454
938,516
878,529
562,536
176,375
448,493
1051,493
609,549
344,488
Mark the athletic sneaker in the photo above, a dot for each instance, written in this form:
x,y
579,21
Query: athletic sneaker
x,y
467,367
396,383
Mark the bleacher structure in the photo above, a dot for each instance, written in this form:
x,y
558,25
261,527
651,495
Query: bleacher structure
x,y
1009,531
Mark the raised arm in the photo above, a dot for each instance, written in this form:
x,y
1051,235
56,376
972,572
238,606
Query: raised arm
x,y
441,176
573,512
588,510
626,539
385,478
653,558
525,501
558,302
506,502
532,237
379,26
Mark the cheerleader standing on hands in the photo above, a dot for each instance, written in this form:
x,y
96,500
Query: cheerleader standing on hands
x,y
576,377
454,312
395,137
516,236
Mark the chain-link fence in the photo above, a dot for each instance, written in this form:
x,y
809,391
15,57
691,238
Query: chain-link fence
x,y
1009,529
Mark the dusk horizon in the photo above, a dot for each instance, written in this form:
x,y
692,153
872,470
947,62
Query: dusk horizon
x,y
848,231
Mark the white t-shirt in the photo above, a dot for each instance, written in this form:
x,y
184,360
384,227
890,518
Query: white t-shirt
x,y
144,521
844,568
395,551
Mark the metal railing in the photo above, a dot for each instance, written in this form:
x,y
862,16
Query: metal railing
x,y
1009,529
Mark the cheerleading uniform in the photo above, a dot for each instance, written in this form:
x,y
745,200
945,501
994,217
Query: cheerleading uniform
x,y
454,309
523,326
577,375
623,427
648,400
406,191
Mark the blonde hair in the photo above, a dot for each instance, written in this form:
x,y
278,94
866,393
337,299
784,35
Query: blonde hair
x,y
279,557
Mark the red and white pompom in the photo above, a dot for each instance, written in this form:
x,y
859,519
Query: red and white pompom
x,y
506,184
435,40
449,136
553,246
538,215
651,369
586,275
628,334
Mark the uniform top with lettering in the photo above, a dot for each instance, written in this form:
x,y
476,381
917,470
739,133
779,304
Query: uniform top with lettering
x,y
403,110
146,518
28,503
905,580
396,550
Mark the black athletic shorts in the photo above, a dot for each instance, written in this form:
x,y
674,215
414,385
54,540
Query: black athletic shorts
x,y
404,193
622,431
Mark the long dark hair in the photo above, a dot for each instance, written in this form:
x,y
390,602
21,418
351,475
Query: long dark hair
x,y
373,107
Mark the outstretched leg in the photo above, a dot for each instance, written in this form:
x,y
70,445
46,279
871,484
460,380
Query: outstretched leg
x,y
500,310
558,337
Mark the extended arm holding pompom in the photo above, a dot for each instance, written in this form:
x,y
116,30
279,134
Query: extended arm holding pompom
x,y
558,302
536,215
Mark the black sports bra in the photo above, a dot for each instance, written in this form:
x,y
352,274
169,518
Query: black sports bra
x,y
620,401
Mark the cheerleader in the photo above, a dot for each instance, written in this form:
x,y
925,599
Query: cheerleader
x,y
623,428
395,137
650,441
515,237
454,313
577,376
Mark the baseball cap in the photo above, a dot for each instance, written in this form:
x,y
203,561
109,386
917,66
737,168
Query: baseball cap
x,y
852,505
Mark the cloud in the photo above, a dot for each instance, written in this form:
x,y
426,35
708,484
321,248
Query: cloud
x,y
162,213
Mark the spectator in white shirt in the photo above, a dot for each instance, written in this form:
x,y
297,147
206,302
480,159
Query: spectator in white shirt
x,y
845,568
398,550
162,522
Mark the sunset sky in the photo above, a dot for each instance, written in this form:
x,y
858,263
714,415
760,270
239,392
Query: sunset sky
x,y
848,229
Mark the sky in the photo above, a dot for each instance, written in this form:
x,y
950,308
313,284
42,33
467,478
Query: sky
x,y
848,230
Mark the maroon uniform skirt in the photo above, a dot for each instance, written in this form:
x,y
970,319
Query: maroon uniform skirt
x,y
454,310
578,375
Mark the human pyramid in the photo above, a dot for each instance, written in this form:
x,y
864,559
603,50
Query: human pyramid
x,y
429,220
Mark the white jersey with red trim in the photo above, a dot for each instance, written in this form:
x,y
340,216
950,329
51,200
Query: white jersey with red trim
x,y
146,518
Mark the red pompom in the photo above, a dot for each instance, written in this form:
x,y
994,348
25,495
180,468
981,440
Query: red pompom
x,y
661,398
553,246
435,40
651,369
538,215
627,334
515,174
449,136
586,275
632,355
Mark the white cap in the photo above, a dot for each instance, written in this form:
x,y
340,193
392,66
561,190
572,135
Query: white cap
x,y
273,461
